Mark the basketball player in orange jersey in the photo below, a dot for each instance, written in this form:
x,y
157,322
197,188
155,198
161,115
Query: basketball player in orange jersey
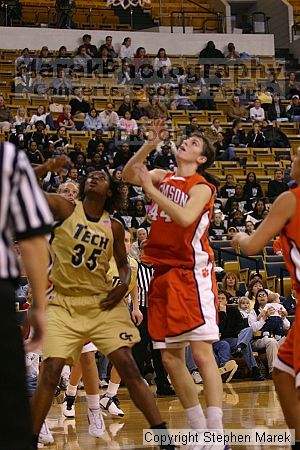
x,y
284,217
182,297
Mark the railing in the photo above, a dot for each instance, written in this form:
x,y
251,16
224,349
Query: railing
x,y
184,13
224,250
265,21
295,30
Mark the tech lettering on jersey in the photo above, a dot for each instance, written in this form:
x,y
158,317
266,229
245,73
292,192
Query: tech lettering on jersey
x,y
82,234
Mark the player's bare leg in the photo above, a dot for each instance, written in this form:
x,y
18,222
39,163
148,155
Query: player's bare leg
x,y
109,401
290,402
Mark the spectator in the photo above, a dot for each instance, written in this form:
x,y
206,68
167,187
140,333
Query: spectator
x,y
166,159
62,84
107,64
34,155
92,121
276,186
192,79
128,125
43,64
236,110
108,44
41,114
80,165
59,140
126,52
292,86
63,61
117,174
228,190
249,227
231,324
257,112
293,110
182,100
21,118
90,49
223,152
66,119
76,151
154,109
23,81
205,100
6,117
94,142
238,221
82,62
109,118
255,284
258,213
257,320
246,95
125,106
231,52
242,201
39,85
79,106
18,137
217,229
140,58
127,75
39,136
252,189
24,58
161,60
212,132
98,162
230,286
49,151
273,86
73,177
255,137
139,110
235,136
166,141
210,52
290,303
193,126
275,136
135,248
122,156
276,111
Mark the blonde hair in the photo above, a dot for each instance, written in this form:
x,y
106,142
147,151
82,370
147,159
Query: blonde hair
x,y
241,299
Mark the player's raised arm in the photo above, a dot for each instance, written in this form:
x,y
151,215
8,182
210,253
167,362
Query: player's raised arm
x,y
281,212
155,136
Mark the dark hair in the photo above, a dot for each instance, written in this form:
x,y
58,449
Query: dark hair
x,y
160,50
256,304
86,36
125,40
138,51
247,179
108,37
208,151
251,284
235,122
111,203
63,47
255,206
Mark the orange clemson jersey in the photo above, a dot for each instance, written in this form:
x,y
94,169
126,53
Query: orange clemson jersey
x,y
290,240
172,245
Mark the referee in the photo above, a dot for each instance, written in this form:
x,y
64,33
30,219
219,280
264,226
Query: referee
x,y
24,215
140,350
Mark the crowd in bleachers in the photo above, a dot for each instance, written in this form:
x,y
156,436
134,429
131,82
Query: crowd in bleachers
x,y
251,139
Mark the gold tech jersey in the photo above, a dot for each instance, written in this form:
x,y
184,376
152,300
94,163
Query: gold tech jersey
x,y
113,273
83,249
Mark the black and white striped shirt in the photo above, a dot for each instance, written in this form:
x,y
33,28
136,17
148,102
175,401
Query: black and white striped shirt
x,y
24,211
144,276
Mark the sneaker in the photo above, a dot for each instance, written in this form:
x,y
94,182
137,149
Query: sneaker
x,y
96,423
165,390
45,436
103,384
63,383
68,406
111,405
256,374
196,377
228,370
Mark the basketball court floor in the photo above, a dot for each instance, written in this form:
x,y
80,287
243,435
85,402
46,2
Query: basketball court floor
x,y
246,405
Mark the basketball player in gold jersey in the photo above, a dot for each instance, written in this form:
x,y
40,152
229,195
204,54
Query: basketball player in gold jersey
x,y
84,304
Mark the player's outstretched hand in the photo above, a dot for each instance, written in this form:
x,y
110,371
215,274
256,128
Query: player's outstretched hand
x,y
56,164
141,171
137,317
156,132
36,320
239,239
114,297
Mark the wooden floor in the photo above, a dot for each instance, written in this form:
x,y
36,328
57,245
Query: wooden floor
x,y
246,405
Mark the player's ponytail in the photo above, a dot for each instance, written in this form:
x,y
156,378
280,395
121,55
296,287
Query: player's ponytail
x,y
210,154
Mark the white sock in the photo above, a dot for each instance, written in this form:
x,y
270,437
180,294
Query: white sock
x,y
93,401
196,417
71,390
214,418
112,389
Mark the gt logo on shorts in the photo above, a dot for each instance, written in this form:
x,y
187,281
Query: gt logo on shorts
x,y
125,336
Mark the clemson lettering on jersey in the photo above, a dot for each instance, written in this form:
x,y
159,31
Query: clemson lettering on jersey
x,y
174,194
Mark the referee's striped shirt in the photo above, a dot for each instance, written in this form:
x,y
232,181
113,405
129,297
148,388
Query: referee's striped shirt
x,y
24,211
144,276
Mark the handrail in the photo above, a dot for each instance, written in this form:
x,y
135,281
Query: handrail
x,y
224,250
203,7
265,20
184,13
294,30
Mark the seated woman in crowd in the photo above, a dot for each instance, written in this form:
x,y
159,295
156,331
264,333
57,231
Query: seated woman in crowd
x,y
21,118
256,138
238,221
154,109
230,285
82,62
161,60
249,227
138,213
106,64
127,124
217,229
92,121
292,86
239,197
252,189
257,320
228,190
258,212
